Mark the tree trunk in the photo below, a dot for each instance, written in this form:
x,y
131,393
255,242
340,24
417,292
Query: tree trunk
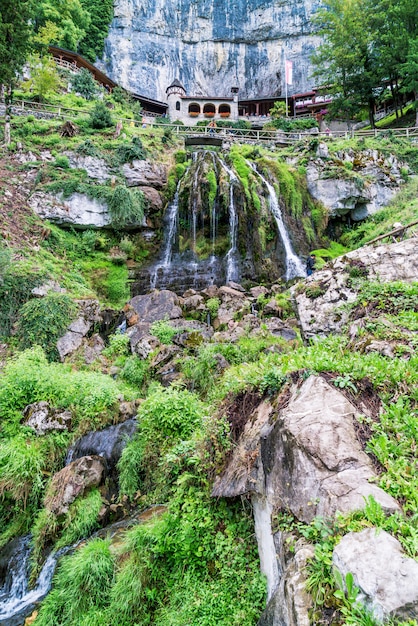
x,y
416,110
8,102
371,112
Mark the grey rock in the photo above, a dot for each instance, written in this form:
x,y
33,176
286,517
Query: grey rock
x,y
157,305
208,48
154,198
43,290
145,173
307,459
78,210
42,418
385,263
258,291
73,481
107,443
96,168
69,343
386,577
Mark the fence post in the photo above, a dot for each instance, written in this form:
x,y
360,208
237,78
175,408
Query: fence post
x,y
258,135
407,133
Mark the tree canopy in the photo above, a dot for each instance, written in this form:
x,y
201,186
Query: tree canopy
x,y
369,47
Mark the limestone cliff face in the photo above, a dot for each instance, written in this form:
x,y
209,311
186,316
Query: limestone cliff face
x,y
211,45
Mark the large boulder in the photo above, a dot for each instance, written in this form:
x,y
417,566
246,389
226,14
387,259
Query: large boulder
x,y
73,481
387,579
320,297
107,443
145,173
89,315
94,166
305,458
157,305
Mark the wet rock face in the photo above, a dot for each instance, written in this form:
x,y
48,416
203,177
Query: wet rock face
x,y
107,443
210,47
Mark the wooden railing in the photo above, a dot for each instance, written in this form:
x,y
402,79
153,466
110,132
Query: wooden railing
x,y
228,133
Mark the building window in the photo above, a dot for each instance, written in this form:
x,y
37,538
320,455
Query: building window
x,y
178,105
224,110
209,110
194,109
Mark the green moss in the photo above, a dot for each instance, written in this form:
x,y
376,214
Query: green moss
x,y
213,187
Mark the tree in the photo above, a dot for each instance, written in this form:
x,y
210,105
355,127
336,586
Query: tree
x,y
84,84
44,76
409,72
101,14
278,110
15,33
346,61
70,18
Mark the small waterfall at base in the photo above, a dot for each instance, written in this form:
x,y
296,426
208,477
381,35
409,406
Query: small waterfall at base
x,y
16,599
294,266
232,271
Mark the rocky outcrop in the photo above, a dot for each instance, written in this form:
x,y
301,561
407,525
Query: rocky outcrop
x,y
95,168
78,210
369,185
145,173
157,305
89,314
321,297
387,579
305,458
43,418
72,481
211,47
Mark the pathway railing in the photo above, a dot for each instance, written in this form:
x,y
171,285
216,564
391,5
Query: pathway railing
x,y
24,107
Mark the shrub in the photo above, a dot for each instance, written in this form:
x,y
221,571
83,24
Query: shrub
x,y
128,152
212,306
100,117
163,331
118,345
126,206
84,84
42,321
62,161
16,284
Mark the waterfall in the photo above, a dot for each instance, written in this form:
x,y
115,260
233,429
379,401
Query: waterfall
x,y
170,235
294,266
232,272
16,599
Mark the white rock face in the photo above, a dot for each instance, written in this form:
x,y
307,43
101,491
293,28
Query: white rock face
x,y
211,47
324,314
374,181
77,210
95,167
386,577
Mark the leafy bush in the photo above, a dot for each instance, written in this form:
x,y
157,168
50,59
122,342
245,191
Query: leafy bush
x,y
88,148
62,162
163,331
118,345
16,284
100,117
135,371
42,321
212,306
128,152
166,416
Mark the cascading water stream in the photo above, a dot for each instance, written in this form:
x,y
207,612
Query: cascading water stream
x,y
232,272
172,221
294,266
16,599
